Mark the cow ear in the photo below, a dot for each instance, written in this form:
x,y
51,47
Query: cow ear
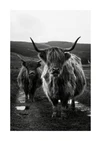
x,y
23,63
42,56
67,55
39,64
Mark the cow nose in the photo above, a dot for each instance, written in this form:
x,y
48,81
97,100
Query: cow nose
x,y
55,71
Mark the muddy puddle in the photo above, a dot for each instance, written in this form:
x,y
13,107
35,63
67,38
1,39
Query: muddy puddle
x,y
21,108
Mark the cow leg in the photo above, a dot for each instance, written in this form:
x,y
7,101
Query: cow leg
x,y
31,95
64,107
59,107
65,100
26,99
54,103
26,95
73,104
54,111
53,107
56,108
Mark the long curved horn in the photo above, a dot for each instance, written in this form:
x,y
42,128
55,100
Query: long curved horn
x,y
35,46
73,46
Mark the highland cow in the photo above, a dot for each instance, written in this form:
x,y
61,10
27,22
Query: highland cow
x,y
63,77
29,78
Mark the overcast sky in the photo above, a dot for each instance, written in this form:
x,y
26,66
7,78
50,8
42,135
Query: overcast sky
x,y
45,26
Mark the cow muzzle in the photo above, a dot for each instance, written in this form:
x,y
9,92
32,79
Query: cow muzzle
x,y
55,72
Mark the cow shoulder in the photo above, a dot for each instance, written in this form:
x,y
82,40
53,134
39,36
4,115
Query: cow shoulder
x,y
46,77
45,74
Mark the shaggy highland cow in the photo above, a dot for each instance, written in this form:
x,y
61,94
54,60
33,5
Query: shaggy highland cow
x,y
62,77
29,78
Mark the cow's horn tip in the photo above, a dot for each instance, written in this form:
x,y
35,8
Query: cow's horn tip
x,y
30,38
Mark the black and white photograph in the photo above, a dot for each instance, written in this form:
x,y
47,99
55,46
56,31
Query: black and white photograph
x,y
50,70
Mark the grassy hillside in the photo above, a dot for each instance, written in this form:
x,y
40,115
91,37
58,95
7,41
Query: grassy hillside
x,y
23,48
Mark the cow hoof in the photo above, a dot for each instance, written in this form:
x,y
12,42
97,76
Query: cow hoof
x,y
63,115
73,108
54,115
58,114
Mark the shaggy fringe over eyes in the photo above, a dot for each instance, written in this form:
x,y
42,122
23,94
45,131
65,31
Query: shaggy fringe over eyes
x,y
55,54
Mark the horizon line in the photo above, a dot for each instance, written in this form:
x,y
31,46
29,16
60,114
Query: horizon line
x,y
48,41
